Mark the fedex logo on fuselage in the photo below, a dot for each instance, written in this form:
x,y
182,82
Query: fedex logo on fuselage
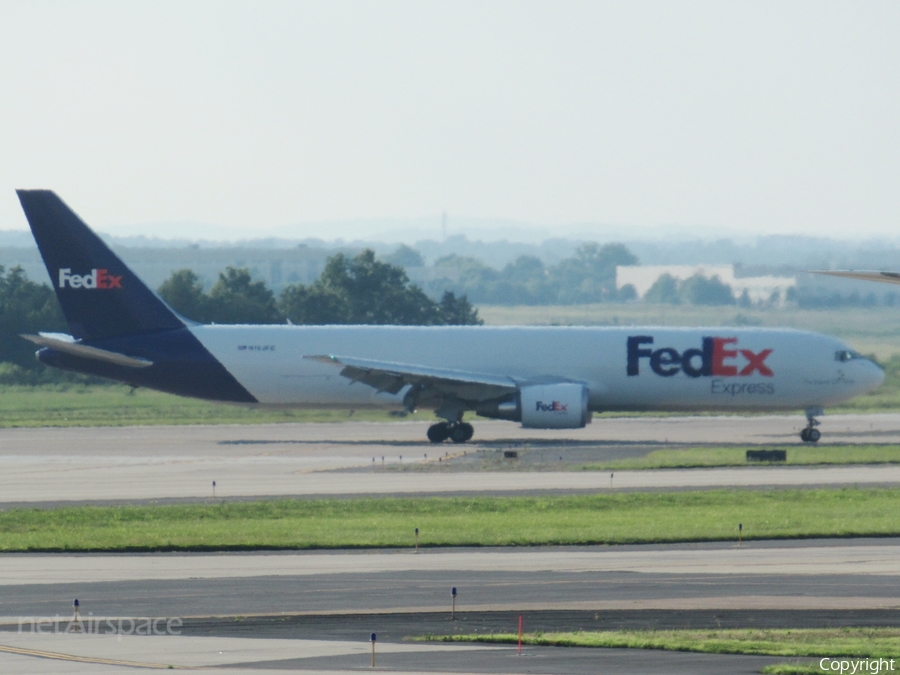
x,y
96,279
716,357
555,406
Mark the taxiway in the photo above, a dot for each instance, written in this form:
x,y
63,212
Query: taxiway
x,y
314,611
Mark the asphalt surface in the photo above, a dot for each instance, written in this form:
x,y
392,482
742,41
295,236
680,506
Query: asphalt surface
x,y
314,612
140,464
429,594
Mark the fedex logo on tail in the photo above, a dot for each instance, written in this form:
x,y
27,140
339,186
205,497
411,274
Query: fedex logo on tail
x,y
555,406
96,279
716,357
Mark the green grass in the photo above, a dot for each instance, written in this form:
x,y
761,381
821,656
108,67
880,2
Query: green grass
x,y
855,643
626,518
794,669
692,457
116,405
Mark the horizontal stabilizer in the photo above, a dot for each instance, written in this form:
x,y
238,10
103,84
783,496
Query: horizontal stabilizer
x,y
884,277
76,349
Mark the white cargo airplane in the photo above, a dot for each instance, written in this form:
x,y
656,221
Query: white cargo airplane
x,y
545,378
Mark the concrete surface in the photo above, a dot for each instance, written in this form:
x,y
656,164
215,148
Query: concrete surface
x,y
50,466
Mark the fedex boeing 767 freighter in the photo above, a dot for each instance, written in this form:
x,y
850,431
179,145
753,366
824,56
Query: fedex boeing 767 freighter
x,y
544,378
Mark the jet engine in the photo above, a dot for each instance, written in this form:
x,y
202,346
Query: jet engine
x,y
562,405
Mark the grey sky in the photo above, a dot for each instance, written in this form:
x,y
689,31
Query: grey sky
x,y
257,117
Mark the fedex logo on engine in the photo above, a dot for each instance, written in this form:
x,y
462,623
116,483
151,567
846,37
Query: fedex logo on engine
x,y
96,279
716,357
555,406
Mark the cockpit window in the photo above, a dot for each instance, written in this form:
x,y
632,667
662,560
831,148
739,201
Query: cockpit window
x,y
847,355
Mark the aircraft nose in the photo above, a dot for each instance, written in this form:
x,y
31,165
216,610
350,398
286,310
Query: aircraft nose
x,y
872,375
875,375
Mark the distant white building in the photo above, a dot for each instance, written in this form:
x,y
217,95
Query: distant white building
x,y
759,289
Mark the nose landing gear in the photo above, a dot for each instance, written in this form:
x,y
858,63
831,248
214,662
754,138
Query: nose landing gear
x,y
810,434
460,432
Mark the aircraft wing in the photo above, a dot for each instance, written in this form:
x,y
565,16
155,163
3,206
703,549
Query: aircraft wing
x,y
66,344
444,382
884,277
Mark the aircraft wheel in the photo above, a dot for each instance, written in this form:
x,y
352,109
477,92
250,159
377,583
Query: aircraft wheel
x,y
813,435
438,433
804,435
459,433
470,430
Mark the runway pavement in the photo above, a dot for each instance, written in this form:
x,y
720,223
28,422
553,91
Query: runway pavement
x,y
314,611
814,557
49,466
36,655
308,611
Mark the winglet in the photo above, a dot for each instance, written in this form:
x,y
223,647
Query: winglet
x,y
883,277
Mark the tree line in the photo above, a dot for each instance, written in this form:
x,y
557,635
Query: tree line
x,y
365,289
357,290
700,290
350,290
588,276
695,290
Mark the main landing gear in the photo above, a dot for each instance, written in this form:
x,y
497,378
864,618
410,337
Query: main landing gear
x,y
460,432
810,434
